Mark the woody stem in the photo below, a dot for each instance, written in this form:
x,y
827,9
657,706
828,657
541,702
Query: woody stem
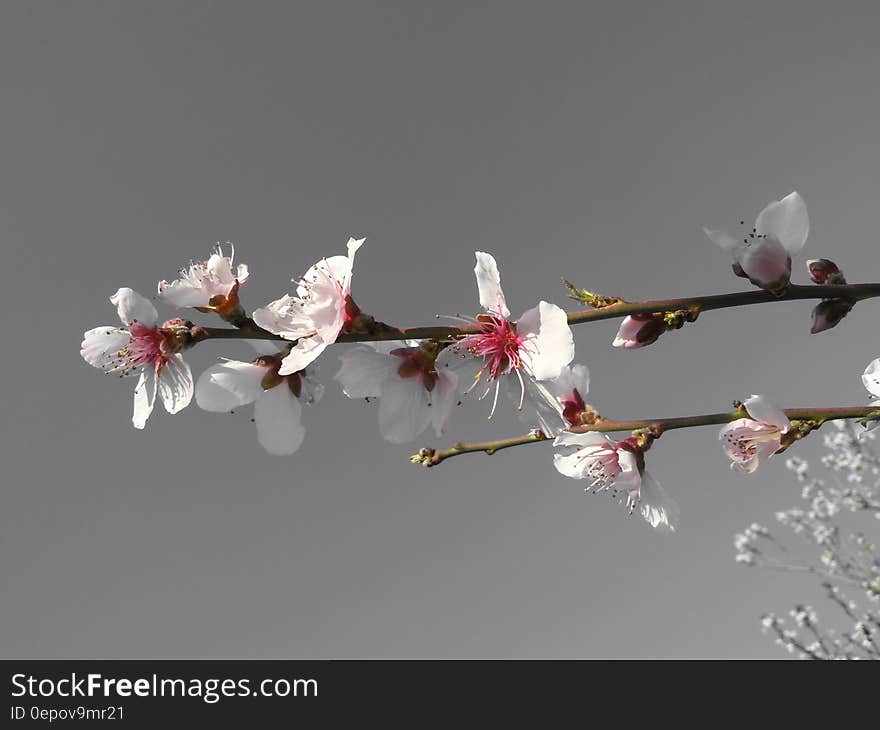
x,y
851,292
655,426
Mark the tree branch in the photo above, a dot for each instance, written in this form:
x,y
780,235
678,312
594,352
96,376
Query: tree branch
x,y
852,292
655,426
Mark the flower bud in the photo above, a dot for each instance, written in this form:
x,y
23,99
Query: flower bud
x,y
827,313
639,330
823,271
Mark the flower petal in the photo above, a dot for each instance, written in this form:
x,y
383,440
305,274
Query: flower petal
x,y
443,398
101,345
403,410
628,332
364,370
541,407
144,397
229,385
134,307
871,378
489,285
548,342
277,414
725,240
787,221
176,384
301,355
466,367
571,465
767,264
761,409
656,506
284,317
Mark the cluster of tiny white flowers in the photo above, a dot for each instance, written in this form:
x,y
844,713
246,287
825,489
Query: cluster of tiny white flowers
x,y
828,520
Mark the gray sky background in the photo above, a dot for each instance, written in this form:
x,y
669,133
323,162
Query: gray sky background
x,y
576,139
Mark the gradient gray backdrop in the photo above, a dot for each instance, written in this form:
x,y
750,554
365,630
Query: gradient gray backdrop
x,y
576,139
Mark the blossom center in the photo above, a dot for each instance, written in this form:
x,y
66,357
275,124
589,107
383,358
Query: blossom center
x,y
417,363
572,407
743,442
272,379
152,345
497,343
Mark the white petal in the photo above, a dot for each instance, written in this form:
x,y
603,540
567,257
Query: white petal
x,y
725,240
403,410
101,345
656,506
363,371
277,413
787,221
131,307
548,344
766,263
443,398
761,409
284,317
353,245
871,378
302,354
144,397
489,285
569,465
176,384
182,294
229,385
541,407
465,366
580,378
627,333
219,269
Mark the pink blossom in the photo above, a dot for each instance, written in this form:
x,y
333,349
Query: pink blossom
x,y
320,311
538,345
209,286
413,394
618,466
140,345
277,398
763,255
749,442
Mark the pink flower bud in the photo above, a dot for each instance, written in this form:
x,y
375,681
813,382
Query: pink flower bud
x,y
823,271
827,314
639,330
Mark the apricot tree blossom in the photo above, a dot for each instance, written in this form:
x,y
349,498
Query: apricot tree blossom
x,y
141,346
209,286
537,345
749,442
319,312
413,394
763,254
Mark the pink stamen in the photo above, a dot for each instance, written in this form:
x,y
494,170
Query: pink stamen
x,y
146,346
497,343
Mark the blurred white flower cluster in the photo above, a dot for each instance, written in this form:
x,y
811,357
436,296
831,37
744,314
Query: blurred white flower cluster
x,y
833,525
